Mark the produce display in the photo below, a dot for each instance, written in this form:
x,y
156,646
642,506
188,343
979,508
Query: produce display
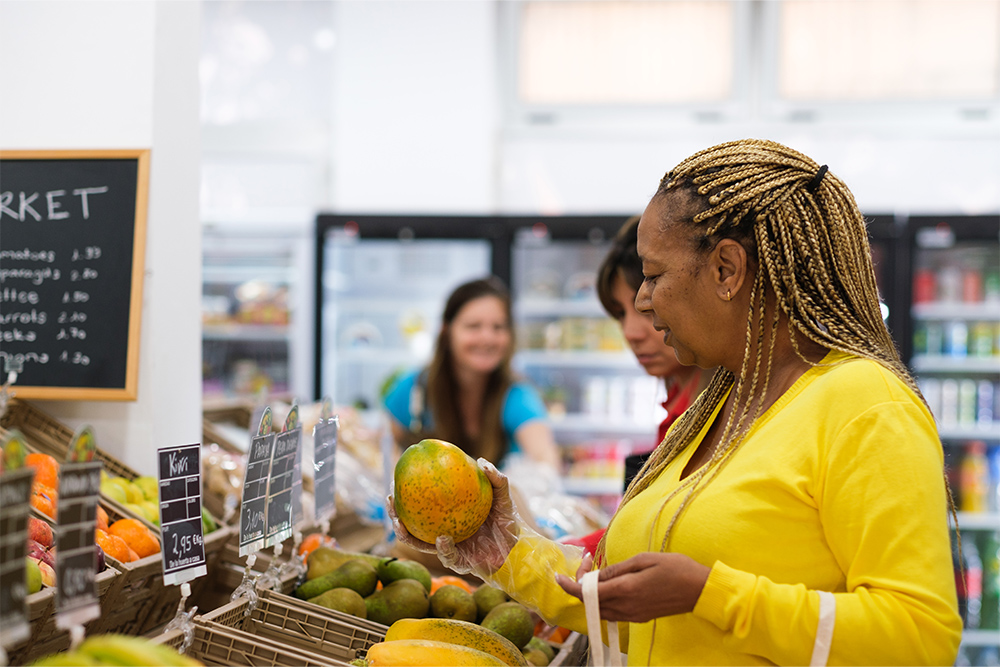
x,y
464,624
407,612
116,649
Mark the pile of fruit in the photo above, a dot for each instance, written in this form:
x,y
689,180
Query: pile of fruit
x,y
116,649
141,495
402,594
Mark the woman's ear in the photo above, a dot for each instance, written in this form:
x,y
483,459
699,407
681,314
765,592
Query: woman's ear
x,y
729,263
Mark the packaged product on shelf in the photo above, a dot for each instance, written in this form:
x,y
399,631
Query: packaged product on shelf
x,y
973,584
949,402
974,478
984,404
989,618
967,403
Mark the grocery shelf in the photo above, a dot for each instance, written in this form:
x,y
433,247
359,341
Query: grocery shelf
x,y
979,520
240,274
581,359
529,307
245,332
991,432
935,363
377,355
956,311
593,486
584,423
981,637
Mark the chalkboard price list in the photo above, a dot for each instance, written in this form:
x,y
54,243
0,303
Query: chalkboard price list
x,y
324,457
66,271
15,494
279,497
183,549
76,554
253,509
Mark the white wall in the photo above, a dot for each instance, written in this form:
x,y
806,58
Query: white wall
x,y
123,74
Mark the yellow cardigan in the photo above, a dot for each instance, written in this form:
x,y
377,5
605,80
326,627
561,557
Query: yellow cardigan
x,y
838,487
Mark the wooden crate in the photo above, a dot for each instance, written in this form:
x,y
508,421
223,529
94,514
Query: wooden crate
x,y
339,636
216,644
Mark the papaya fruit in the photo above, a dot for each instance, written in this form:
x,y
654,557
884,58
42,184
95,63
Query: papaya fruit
x,y
440,490
463,633
427,653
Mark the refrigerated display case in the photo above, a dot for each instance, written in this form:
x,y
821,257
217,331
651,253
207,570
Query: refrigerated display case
x,y
382,285
954,350
602,405
256,314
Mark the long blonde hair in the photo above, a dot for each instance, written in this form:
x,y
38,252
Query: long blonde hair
x,y
809,241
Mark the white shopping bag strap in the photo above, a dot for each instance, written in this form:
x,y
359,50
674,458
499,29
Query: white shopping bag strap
x,y
824,629
593,612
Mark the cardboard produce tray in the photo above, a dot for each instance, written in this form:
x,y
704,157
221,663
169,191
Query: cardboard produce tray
x,y
216,644
332,634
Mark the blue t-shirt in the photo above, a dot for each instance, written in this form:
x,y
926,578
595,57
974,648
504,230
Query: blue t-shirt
x,y
521,405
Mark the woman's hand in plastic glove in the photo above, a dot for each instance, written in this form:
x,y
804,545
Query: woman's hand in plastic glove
x,y
484,552
644,587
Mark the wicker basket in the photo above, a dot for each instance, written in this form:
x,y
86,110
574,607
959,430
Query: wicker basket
x,y
336,635
216,644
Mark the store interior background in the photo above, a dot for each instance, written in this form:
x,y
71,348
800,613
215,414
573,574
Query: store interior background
x,y
262,114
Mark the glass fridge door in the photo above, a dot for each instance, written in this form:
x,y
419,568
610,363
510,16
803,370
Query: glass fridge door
x,y
602,404
381,304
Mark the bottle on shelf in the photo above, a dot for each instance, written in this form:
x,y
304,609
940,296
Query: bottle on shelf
x,y
973,582
989,618
993,464
974,478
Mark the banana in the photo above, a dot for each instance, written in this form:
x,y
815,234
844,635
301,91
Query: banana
x,y
130,651
427,653
458,632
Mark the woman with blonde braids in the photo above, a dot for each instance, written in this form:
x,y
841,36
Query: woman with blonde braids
x,y
797,512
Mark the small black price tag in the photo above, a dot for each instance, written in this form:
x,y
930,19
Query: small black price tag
x,y
15,498
279,494
324,459
180,513
76,551
253,508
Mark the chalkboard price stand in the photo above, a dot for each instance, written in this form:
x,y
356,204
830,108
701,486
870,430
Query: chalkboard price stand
x,y
183,550
72,257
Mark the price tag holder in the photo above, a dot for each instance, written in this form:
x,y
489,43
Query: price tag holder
x,y
253,508
324,460
279,493
292,424
76,551
180,513
15,499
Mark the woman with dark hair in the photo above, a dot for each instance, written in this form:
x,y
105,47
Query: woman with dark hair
x,y
797,512
618,280
468,395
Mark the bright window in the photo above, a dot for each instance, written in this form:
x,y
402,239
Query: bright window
x,y
642,53
885,50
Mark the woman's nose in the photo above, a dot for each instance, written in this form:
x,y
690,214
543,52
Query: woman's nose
x,y
642,300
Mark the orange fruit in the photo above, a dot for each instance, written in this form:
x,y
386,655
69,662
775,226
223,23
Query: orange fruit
x,y
313,541
44,503
113,546
440,490
102,519
136,535
46,469
450,580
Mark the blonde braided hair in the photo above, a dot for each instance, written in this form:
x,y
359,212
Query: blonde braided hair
x,y
809,239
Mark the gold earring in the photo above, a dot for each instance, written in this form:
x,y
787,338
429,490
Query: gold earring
x,y
729,295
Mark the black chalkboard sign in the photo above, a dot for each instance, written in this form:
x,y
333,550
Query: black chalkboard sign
x,y
72,251
183,552
253,508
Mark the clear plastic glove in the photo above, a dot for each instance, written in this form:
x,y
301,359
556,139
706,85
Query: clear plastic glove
x,y
484,552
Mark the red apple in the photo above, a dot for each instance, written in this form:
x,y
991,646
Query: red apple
x,y
48,574
39,552
40,531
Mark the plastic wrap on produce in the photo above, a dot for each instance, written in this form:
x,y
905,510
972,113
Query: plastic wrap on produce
x,y
557,514
360,488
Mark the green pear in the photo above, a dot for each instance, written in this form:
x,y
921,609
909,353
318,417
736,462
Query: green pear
x,y
394,569
357,575
33,575
343,600
486,598
405,598
513,621
453,602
